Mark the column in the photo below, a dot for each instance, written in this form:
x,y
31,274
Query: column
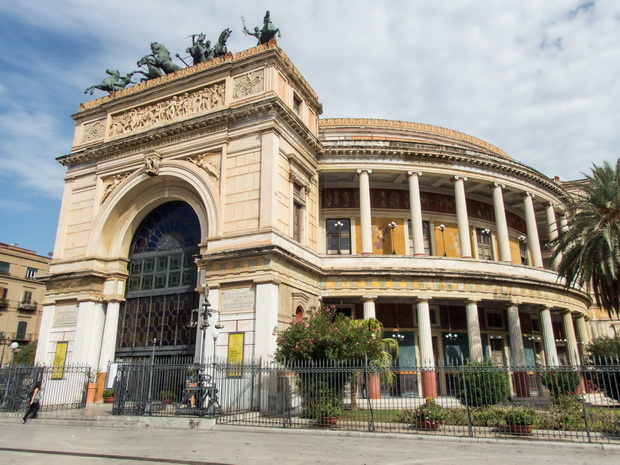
x,y
415,205
365,215
369,306
88,333
108,341
266,318
517,351
461,216
501,224
427,360
551,353
571,340
45,329
473,331
563,222
532,230
553,230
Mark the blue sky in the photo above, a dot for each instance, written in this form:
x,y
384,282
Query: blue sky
x,y
537,78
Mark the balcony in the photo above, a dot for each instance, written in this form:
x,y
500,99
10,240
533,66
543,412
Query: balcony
x,y
3,303
27,306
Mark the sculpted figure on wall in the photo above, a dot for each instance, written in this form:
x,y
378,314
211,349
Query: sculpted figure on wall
x,y
111,183
209,162
151,164
188,104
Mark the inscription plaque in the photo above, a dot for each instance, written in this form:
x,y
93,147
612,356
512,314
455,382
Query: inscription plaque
x,y
238,300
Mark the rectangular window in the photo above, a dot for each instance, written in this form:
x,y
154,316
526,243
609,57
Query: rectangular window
x,y
4,268
31,273
26,297
426,228
535,324
3,293
485,246
338,236
296,104
523,250
494,320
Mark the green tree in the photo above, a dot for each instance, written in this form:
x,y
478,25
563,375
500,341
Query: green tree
x,y
590,249
26,355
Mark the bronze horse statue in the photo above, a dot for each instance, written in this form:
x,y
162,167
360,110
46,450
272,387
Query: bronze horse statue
x,y
161,55
152,70
220,48
113,82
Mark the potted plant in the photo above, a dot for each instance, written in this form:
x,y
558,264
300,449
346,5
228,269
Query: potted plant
x,y
429,415
108,395
328,413
92,387
520,420
167,396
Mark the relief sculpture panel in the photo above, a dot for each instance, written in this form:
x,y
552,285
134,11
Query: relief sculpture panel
x,y
179,106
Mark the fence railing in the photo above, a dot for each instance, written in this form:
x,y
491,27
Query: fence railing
x,y
61,387
574,403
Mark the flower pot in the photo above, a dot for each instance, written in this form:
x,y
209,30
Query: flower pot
x,y
520,429
108,400
167,400
91,393
428,424
328,421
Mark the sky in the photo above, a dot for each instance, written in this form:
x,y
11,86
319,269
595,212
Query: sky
x,y
537,78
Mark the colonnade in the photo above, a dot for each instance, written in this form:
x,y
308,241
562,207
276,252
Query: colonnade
x,y
461,217
571,330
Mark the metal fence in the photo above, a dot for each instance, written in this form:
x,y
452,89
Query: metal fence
x,y
572,403
61,387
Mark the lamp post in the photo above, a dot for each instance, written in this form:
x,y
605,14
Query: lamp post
x,y
392,227
339,224
442,228
149,396
203,315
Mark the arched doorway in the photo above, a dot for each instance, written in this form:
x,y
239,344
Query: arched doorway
x,y
160,292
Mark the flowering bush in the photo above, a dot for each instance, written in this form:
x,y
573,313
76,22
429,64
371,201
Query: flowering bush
x,y
326,335
560,383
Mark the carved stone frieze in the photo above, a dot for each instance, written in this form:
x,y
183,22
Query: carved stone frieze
x,y
249,84
179,106
209,162
93,131
111,183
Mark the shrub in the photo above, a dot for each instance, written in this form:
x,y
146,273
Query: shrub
x,y
108,392
482,384
520,416
491,416
560,383
429,412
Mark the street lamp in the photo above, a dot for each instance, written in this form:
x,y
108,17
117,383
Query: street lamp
x,y
392,226
442,228
203,315
339,224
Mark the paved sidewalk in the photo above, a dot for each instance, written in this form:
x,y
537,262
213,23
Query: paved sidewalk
x,y
93,435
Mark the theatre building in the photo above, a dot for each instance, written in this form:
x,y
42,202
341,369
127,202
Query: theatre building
x,y
225,172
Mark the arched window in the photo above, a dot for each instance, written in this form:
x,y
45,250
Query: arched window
x,y
160,288
299,314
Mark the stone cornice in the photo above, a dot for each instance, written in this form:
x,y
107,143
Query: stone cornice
x,y
419,127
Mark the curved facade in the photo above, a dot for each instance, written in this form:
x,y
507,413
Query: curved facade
x,y
438,234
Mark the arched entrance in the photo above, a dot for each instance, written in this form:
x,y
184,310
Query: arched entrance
x,y
161,285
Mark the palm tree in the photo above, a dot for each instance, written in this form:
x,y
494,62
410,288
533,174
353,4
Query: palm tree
x,y
590,249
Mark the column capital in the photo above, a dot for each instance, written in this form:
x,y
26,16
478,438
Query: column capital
x,y
527,194
457,177
497,184
369,297
421,299
416,173
361,170
472,301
